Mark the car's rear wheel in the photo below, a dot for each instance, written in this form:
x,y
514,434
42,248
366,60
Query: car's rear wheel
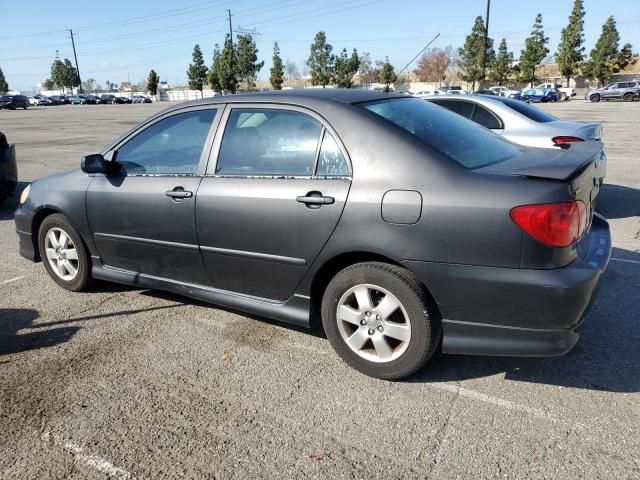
x,y
64,254
628,97
379,320
595,98
563,97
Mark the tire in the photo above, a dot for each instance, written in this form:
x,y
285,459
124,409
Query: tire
x,y
408,314
55,224
595,98
563,97
628,97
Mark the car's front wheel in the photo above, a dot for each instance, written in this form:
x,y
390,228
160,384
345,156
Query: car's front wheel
x,y
595,98
64,254
379,320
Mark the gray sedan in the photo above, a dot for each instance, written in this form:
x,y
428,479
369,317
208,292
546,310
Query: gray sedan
x,y
520,122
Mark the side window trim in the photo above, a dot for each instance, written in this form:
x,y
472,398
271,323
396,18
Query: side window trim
x,y
223,120
111,154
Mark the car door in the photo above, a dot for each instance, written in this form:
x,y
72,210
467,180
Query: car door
x,y
272,199
611,91
142,216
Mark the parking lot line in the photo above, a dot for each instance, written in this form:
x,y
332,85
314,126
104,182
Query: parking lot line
x,y
625,260
14,279
97,463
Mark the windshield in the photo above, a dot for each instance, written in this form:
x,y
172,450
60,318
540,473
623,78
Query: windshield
x,y
529,111
462,140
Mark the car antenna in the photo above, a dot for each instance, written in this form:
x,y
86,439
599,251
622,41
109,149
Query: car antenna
x,y
419,53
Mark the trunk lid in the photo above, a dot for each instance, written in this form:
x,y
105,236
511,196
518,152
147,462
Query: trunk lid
x,y
587,131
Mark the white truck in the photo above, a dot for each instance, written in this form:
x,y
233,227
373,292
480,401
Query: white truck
x,y
565,92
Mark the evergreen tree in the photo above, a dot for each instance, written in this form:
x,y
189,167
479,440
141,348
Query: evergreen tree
x,y
197,73
321,61
603,56
345,68
70,76
47,84
569,55
502,65
152,82
58,73
247,66
4,86
277,71
471,57
227,76
387,74
214,73
535,50
622,58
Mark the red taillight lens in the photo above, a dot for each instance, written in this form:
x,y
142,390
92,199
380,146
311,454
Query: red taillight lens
x,y
564,140
554,224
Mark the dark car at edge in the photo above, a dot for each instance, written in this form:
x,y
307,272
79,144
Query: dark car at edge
x,y
398,224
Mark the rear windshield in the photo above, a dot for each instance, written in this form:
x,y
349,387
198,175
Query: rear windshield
x,y
529,111
462,140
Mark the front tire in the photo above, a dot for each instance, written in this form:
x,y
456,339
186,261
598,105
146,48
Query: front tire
x,y
595,98
380,321
64,253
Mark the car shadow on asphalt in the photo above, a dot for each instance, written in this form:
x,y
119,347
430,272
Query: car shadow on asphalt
x,y
606,358
617,201
14,340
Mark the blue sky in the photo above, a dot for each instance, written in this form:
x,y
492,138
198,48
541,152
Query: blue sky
x,y
122,39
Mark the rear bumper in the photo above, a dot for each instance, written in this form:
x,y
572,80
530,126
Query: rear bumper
x,y
516,312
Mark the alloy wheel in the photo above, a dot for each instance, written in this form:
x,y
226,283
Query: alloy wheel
x,y
61,254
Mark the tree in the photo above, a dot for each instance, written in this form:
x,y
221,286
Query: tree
x,y
4,86
197,72
622,58
58,73
152,82
535,49
291,71
89,85
433,65
387,74
321,61
502,65
227,74
214,72
475,55
247,65
570,51
47,84
345,68
71,77
277,71
367,73
605,53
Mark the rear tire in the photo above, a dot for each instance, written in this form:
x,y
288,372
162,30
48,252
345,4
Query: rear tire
x,y
628,97
380,321
595,98
64,253
563,97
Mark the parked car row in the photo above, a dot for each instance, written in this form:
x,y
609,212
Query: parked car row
x,y
20,101
272,193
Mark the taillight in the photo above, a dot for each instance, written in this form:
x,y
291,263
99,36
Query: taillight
x,y
554,224
565,140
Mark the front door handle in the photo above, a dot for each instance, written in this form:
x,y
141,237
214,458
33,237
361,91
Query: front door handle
x,y
178,192
315,200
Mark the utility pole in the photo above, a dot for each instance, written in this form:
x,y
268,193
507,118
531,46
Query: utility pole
x,y
73,44
230,28
486,46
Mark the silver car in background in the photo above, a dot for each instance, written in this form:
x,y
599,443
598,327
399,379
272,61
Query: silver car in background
x,y
518,121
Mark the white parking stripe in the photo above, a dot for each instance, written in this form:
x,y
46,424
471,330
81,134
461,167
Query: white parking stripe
x,y
15,279
97,463
624,260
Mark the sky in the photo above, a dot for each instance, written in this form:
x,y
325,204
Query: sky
x,y
123,40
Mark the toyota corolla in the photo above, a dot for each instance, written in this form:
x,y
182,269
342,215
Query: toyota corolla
x,y
402,226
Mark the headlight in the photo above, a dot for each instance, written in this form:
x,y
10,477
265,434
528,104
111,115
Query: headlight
x,y
25,194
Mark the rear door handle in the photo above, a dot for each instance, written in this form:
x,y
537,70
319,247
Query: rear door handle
x,y
315,199
178,192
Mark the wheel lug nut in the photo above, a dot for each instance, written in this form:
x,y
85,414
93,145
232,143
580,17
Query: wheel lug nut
x,y
363,322
368,314
378,317
380,329
371,331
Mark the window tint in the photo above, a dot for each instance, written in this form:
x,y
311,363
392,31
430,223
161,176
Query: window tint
x,y
170,146
461,108
527,110
485,118
268,142
461,140
331,162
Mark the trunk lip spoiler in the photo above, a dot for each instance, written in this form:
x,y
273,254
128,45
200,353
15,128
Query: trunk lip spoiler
x,y
566,168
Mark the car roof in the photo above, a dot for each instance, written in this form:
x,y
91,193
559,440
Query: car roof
x,y
304,97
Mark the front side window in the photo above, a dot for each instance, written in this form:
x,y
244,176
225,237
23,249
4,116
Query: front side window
x,y
461,140
263,141
171,146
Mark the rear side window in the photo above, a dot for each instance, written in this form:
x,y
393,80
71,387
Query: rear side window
x,y
461,108
529,111
448,133
485,118
331,162
263,141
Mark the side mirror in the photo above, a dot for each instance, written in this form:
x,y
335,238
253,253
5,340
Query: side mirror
x,y
94,163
